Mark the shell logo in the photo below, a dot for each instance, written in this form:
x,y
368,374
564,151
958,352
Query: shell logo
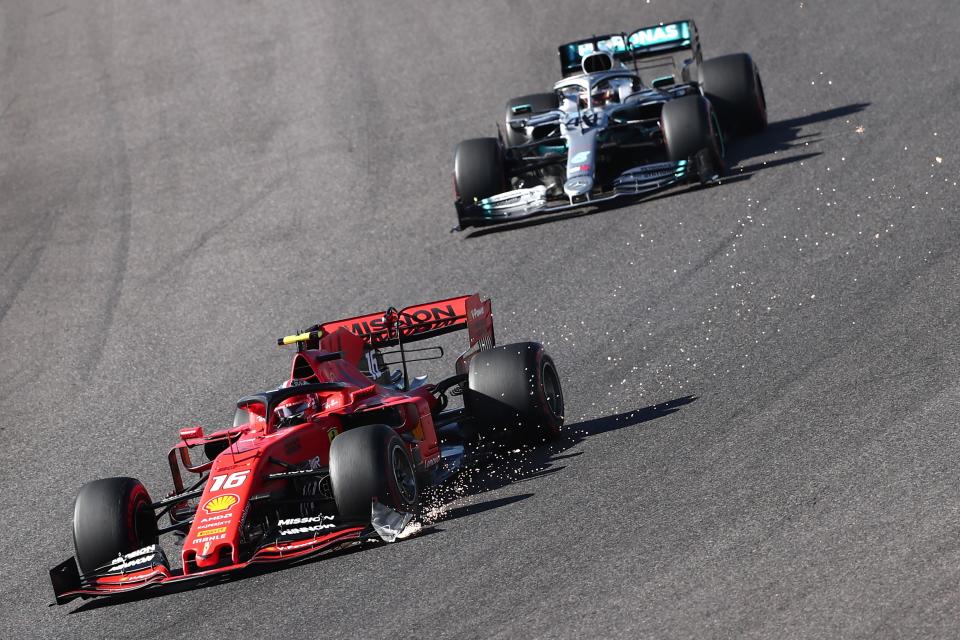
x,y
220,503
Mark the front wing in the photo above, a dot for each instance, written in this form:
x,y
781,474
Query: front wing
x,y
153,571
523,203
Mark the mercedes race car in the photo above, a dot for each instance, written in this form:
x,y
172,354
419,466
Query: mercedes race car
x,y
632,114
338,454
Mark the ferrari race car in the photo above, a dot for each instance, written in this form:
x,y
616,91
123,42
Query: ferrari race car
x,y
340,453
632,114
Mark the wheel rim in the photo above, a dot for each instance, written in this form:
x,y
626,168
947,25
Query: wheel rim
x,y
551,390
404,476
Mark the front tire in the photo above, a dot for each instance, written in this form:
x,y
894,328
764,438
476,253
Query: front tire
x,y
732,84
478,170
691,133
370,462
111,517
514,392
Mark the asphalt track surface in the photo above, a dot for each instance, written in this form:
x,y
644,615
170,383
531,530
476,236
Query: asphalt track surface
x,y
761,377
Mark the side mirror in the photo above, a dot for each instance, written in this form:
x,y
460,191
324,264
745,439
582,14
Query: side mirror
x,y
191,433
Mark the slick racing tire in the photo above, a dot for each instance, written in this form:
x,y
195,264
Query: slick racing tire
x,y
514,393
371,462
111,517
538,103
732,84
478,170
690,132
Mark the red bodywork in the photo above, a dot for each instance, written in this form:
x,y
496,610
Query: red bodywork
x,y
237,479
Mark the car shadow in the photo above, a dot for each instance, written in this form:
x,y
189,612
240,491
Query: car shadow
x,y
785,135
480,507
782,136
495,467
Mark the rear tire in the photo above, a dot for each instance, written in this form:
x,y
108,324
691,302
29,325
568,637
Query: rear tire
x,y
538,102
732,84
514,392
111,517
691,133
370,462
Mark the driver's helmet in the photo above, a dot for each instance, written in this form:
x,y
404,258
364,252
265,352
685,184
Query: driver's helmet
x,y
292,410
603,93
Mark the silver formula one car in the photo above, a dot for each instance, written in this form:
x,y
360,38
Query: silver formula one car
x,y
633,114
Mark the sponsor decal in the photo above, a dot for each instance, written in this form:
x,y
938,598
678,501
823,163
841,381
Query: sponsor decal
x,y
613,44
660,35
220,503
207,541
311,525
301,530
211,532
216,518
135,559
476,313
306,520
410,324
332,433
580,158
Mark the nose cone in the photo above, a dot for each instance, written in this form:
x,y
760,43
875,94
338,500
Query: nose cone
x,y
577,186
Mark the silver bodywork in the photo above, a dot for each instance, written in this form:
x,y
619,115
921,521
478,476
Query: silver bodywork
x,y
579,127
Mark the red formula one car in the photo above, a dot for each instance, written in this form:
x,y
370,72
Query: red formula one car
x,y
339,454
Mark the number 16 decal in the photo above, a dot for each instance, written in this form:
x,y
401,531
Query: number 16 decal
x,y
231,481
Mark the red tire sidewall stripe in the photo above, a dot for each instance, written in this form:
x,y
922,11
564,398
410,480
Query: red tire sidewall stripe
x,y
137,496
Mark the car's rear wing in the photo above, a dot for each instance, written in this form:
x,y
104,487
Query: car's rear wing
x,y
660,53
410,324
